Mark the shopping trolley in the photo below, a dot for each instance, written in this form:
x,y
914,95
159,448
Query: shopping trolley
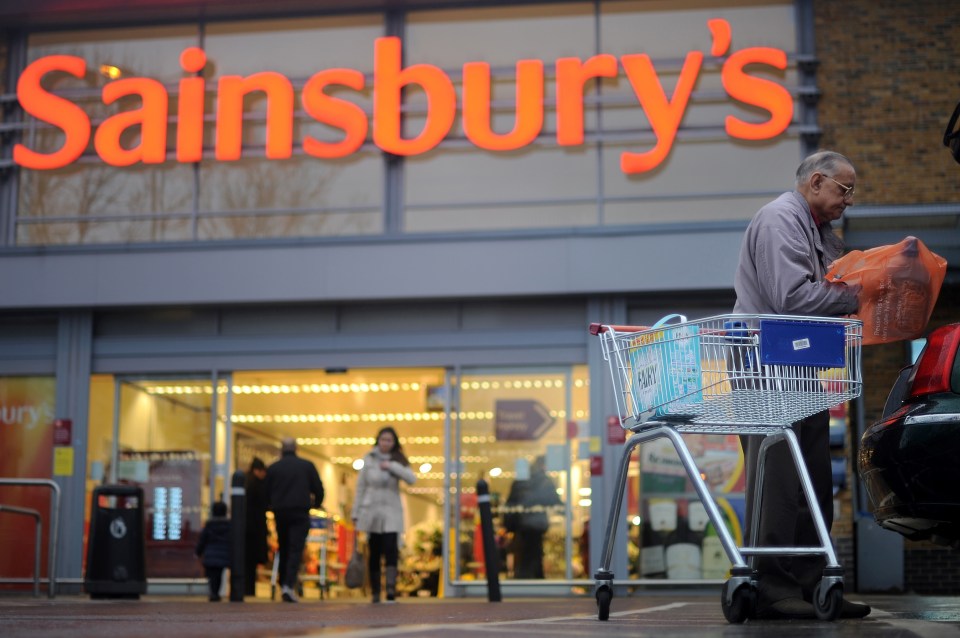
x,y
731,374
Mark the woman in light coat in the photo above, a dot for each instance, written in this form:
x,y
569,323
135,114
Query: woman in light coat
x,y
377,509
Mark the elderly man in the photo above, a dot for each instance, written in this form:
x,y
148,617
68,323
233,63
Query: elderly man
x,y
293,486
786,251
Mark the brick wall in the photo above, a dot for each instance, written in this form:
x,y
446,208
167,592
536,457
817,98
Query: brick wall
x,y
929,569
890,77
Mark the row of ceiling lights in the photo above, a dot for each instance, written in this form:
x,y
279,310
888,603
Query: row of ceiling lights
x,y
378,417
345,388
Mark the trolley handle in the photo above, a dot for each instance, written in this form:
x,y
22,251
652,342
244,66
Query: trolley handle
x,y
600,328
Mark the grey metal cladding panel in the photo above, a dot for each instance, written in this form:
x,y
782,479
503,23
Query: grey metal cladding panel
x,y
405,317
29,325
16,347
351,271
28,344
282,319
27,354
156,321
524,315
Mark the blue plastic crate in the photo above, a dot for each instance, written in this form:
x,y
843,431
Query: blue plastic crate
x,y
802,343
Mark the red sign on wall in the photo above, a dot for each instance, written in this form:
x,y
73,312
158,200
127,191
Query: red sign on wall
x,y
63,432
616,435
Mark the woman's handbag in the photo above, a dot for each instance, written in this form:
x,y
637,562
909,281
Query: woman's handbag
x,y
353,578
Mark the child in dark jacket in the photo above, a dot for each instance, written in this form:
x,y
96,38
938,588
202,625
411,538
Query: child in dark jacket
x,y
213,548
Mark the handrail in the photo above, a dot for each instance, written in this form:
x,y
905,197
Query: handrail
x,y
13,509
54,525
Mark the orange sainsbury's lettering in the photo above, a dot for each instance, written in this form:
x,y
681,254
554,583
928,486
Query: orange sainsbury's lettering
x,y
758,92
664,115
151,118
392,83
190,106
232,89
53,109
388,80
476,106
572,75
336,112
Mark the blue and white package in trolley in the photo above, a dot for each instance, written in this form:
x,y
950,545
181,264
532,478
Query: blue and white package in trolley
x,y
665,361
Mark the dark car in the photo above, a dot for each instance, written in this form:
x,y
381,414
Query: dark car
x,y
910,459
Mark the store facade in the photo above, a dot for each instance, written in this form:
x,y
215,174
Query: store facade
x,y
313,221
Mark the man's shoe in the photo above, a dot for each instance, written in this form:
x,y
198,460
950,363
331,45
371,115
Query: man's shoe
x,y
854,610
288,595
787,609
214,598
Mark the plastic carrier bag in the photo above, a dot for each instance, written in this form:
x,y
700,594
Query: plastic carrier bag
x,y
899,287
666,367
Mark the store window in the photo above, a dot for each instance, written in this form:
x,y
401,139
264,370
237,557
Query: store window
x,y
180,439
670,535
303,196
169,436
702,179
90,202
459,187
521,431
27,406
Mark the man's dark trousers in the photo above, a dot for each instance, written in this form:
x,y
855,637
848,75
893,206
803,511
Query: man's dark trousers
x,y
785,518
292,529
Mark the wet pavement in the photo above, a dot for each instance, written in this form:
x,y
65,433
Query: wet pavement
x,y
660,614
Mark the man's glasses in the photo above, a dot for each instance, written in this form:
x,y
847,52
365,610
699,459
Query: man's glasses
x,y
848,191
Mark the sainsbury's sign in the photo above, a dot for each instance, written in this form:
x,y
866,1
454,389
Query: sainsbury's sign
x,y
664,112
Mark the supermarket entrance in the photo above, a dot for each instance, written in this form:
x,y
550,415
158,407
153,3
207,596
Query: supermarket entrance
x,y
182,437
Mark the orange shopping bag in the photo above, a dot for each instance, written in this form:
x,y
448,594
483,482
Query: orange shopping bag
x,y
899,287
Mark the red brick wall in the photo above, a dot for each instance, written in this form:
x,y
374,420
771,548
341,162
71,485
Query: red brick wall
x,y
890,77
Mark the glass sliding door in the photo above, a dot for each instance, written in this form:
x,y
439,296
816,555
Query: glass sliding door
x,y
520,430
171,439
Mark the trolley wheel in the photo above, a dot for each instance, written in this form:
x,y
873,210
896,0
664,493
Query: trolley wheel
x,y
604,596
742,606
829,610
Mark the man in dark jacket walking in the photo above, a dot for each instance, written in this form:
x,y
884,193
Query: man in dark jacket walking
x,y
293,486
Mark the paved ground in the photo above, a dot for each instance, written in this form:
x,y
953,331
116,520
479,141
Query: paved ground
x,y
662,614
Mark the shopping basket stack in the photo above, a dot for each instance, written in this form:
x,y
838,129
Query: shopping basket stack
x,y
730,374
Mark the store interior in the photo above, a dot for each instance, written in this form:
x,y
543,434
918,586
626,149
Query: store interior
x,y
193,432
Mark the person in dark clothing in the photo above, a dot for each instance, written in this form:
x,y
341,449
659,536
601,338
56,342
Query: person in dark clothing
x,y
213,548
255,535
532,497
293,486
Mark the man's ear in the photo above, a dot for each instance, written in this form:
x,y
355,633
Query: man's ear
x,y
815,182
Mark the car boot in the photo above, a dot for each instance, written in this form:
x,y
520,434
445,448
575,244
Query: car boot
x,y
391,584
375,586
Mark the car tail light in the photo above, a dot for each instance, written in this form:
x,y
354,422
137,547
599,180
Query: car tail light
x,y
935,367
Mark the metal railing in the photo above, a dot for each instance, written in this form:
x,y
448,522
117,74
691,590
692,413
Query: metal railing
x,y
53,539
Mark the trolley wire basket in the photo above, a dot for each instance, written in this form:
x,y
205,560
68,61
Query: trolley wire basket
x,y
730,374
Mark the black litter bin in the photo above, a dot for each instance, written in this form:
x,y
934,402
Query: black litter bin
x,y
116,562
